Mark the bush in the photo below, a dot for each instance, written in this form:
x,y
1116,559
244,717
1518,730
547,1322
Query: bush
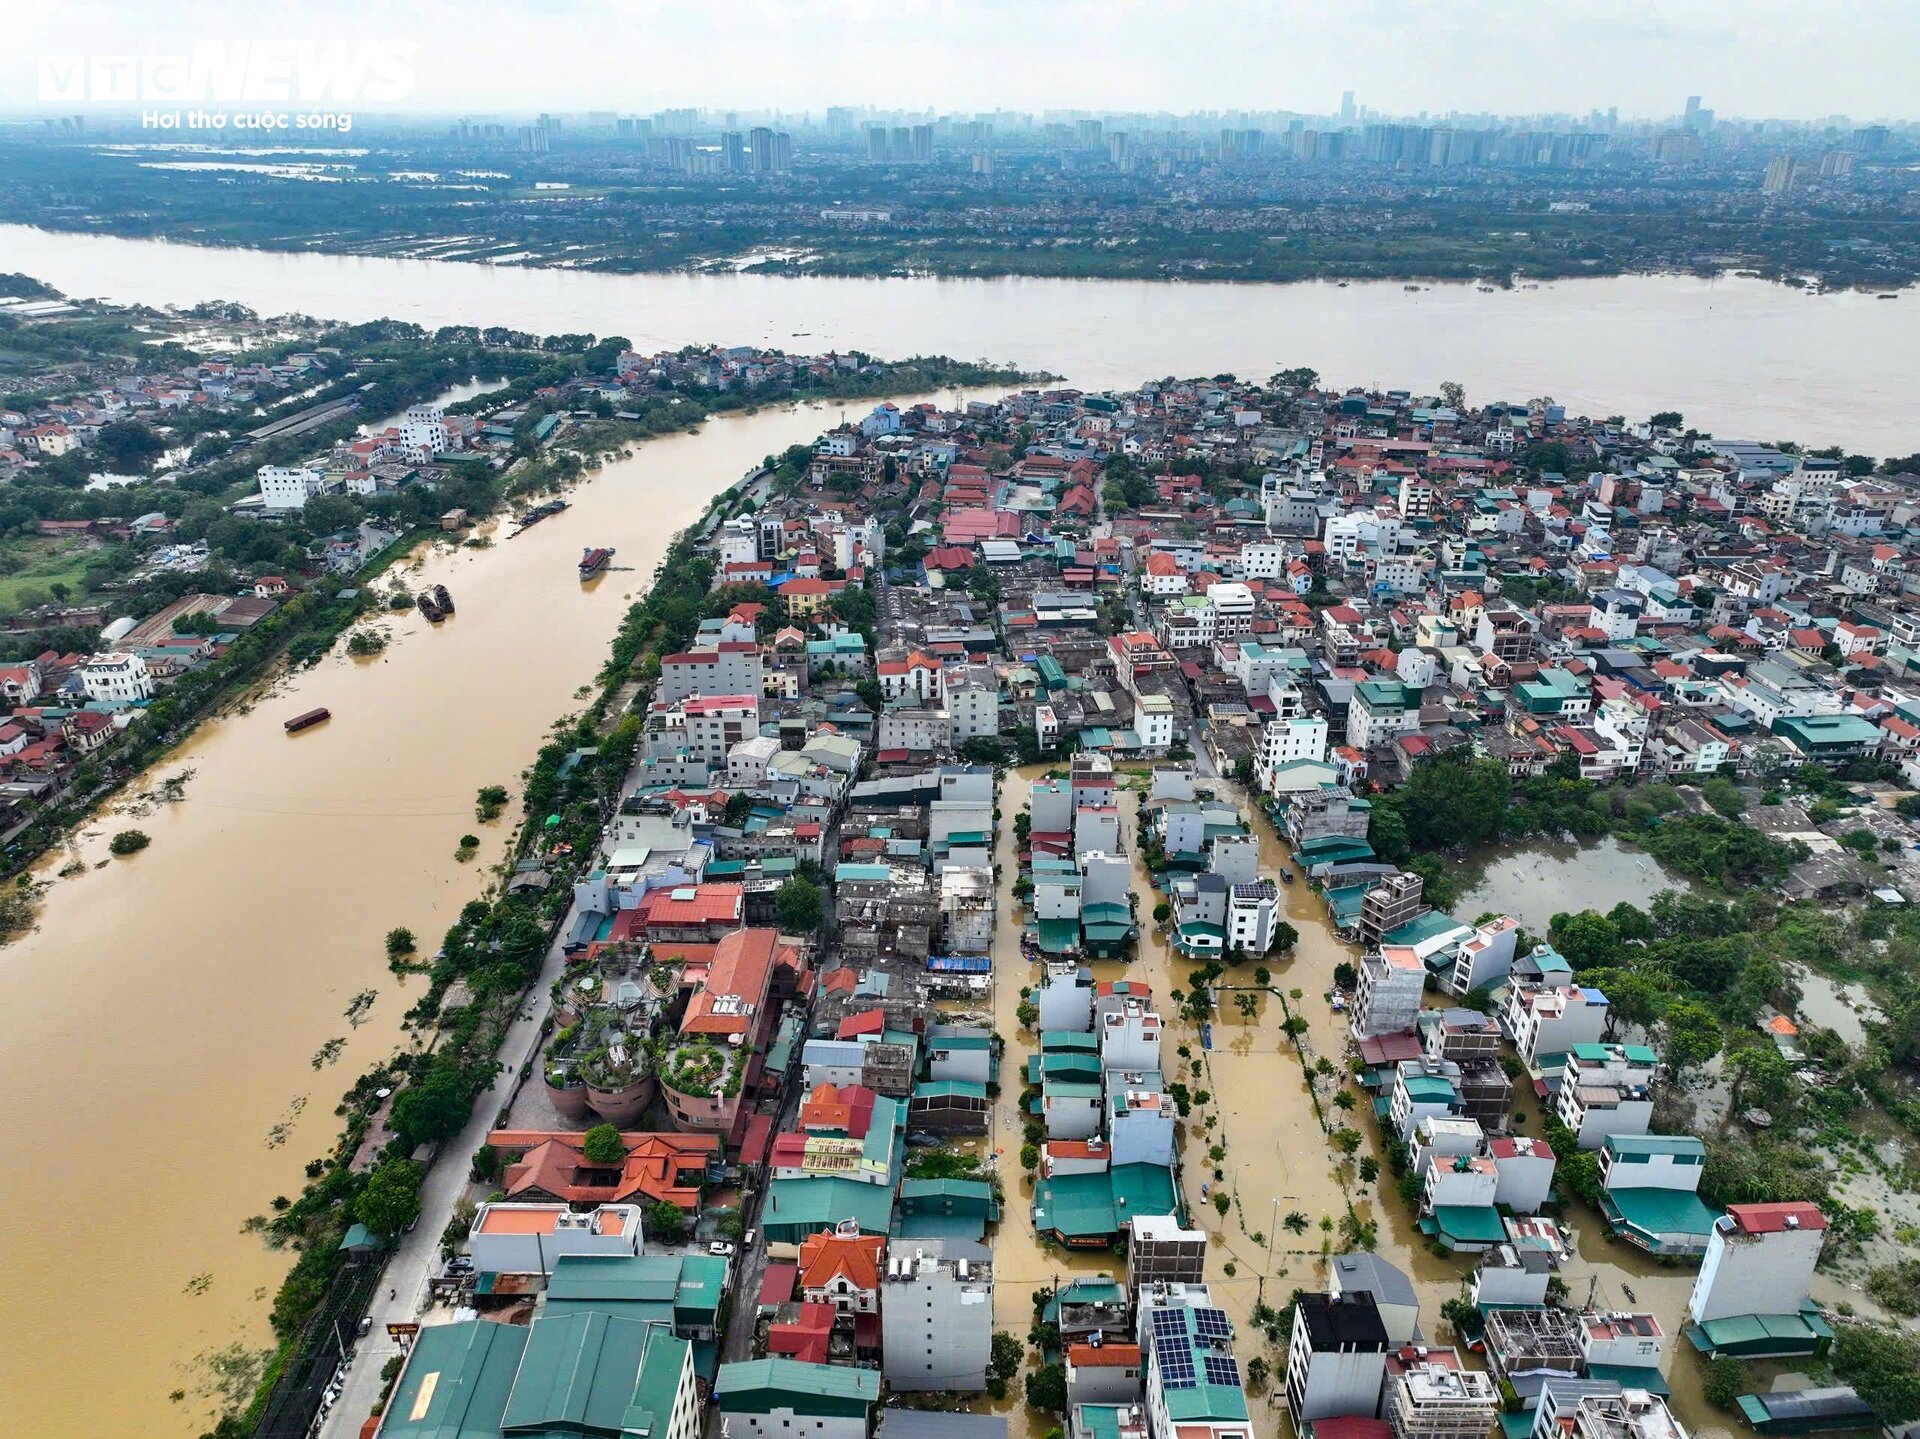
x,y
128,841
1726,1377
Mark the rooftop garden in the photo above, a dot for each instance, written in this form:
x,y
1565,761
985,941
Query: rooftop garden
x,y
699,1066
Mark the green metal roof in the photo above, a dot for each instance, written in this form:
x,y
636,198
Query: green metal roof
x,y
1469,1224
804,1205
758,1386
662,1366
1660,1213
457,1382
1677,1144
577,1374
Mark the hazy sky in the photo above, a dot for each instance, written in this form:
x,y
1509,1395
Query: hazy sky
x,y
1752,58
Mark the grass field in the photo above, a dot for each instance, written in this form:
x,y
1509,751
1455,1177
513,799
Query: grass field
x,y
31,567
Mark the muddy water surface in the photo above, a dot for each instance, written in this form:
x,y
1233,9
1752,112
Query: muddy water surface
x,y
159,1031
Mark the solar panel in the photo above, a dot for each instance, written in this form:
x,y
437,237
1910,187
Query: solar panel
x,y
1176,1362
1220,1369
1212,1324
1169,1323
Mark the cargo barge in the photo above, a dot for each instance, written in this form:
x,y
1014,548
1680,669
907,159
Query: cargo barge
x,y
593,562
307,720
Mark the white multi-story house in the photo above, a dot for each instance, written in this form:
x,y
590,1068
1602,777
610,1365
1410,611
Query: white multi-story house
x,y
1760,1260
714,724
1284,741
1606,1090
1545,1022
530,1238
289,487
424,429
1336,1357
1233,609
116,678
1380,711
1253,913
1153,721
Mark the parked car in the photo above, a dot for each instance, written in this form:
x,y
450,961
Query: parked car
x,y
721,1247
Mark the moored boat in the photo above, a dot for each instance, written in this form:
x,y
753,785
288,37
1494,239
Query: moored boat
x,y
594,561
443,599
307,720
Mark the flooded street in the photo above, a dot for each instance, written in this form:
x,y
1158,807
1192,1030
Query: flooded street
x,y
165,1022
1278,1160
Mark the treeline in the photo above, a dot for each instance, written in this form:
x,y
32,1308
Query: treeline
x,y
1463,801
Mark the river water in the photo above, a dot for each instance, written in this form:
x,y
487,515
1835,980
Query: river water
x,y
1742,358
158,1031
199,980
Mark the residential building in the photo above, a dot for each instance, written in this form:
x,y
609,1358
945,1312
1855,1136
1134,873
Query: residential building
x,y
1336,1357
936,1316
1760,1260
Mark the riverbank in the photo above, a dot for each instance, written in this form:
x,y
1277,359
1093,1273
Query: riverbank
x,y
261,910
1738,356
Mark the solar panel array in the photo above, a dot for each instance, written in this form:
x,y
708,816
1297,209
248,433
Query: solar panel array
x,y
1212,1324
1176,1362
1173,1350
1220,1369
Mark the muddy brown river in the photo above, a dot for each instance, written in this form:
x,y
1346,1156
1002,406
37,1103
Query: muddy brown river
x,y
163,1023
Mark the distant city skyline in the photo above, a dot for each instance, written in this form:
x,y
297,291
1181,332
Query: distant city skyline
x,y
1747,59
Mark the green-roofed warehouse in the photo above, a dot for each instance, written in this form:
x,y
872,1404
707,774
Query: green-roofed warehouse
x,y
585,1374
778,1398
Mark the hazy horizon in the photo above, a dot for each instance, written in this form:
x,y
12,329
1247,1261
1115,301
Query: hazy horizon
x,y
1746,59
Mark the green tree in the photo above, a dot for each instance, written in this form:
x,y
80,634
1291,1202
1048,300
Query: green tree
x,y
797,902
1006,1355
1723,1382
391,1199
1692,1033
602,1145
1246,1003
1882,1363
399,941
1047,1389
432,1108
128,841
666,1223
1586,939
1724,795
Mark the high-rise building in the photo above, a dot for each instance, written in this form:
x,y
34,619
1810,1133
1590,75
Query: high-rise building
x,y
876,144
782,152
760,143
923,144
1781,170
1346,108
733,152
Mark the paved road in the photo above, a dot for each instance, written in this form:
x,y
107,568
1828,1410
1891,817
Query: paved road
x,y
413,1265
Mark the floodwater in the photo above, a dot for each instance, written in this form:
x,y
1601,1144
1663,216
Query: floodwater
x,y
1535,880
161,1074
1739,357
1278,1161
